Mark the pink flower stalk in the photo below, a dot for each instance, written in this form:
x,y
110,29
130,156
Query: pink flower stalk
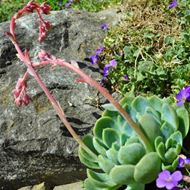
x,y
20,95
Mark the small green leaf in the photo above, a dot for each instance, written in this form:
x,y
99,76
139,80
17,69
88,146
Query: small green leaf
x,y
170,143
86,155
110,136
109,107
150,127
160,149
100,179
105,164
99,146
88,163
131,154
158,140
136,186
170,155
169,115
155,102
139,104
112,154
167,130
177,137
88,141
101,124
148,168
123,174
183,120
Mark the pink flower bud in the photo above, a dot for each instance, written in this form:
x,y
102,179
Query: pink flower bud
x,y
43,55
31,6
43,28
45,8
19,93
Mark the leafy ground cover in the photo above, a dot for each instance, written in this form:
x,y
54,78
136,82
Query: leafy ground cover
x,y
151,47
9,7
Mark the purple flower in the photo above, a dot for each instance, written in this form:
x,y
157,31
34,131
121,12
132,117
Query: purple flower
x,y
104,27
67,5
94,59
99,50
172,4
167,180
126,77
112,63
183,95
182,161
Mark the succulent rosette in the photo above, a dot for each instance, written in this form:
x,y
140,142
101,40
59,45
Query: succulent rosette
x,y
121,157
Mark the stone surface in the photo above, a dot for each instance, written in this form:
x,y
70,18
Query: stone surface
x,y
34,145
73,186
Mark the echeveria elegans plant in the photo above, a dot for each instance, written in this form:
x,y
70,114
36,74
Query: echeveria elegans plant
x,y
131,142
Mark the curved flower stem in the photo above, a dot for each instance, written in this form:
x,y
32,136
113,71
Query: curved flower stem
x,y
85,78
54,103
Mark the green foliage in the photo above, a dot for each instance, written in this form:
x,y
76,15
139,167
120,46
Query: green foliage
x,y
152,50
9,7
94,6
122,158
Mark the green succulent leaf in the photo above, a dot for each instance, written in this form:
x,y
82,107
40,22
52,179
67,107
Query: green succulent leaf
x,y
150,127
105,164
147,168
124,126
100,179
110,136
158,140
123,174
155,102
167,130
160,149
154,113
99,146
177,137
169,115
112,154
134,151
139,104
88,163
109,107
88,141
101,124
170,155
170,167
136,186
183,120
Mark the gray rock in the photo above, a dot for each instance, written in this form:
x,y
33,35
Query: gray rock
x,y
72,186
34,144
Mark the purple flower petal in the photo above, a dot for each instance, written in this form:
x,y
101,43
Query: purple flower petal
x,y
67,5
181,162
99,50
106,71
113,63
183,95
94,59
167,180
172,4
160,183
104,26
177,176
126,77
170,185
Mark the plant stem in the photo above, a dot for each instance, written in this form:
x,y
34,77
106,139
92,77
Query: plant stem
x,y
54,103
107,95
